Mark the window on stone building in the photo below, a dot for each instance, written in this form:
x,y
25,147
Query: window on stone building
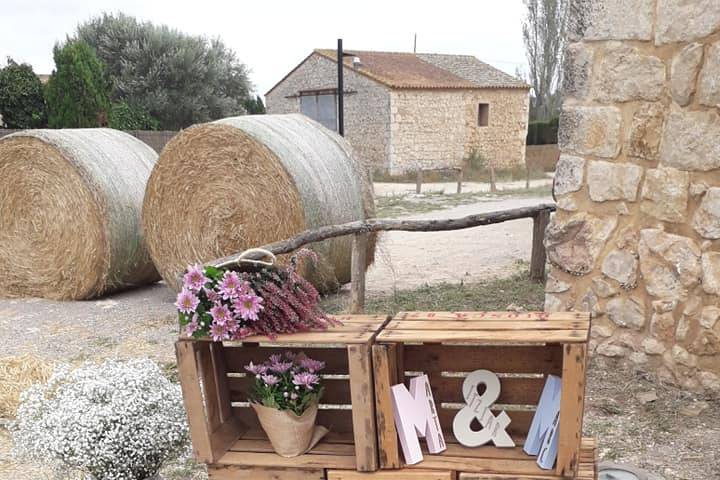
x,y
321,107
483,114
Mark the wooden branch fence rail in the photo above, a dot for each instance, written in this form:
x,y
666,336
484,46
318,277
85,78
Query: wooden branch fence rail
x,y
360,230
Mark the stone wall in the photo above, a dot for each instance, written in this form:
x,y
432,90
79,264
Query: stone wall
x,y
433,128
367,106
636,239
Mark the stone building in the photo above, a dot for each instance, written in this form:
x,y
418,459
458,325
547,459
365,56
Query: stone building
x,y
404,110
636,239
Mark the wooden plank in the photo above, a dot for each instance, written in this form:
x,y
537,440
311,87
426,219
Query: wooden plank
x,y
572,401
486,325
220,370
335,391
513,390
491,476
358,267
237,357
507,336
363,406
538,255
273,460
210,387
492,315
459,181
391,475
322,448
345,438
233,472
385,367
499,359
331,335
192,398
516,466
418,181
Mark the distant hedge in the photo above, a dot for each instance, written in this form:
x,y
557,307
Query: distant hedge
x,y
543,132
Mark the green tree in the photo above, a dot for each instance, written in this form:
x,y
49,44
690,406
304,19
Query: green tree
x,y
254,106
22,104
123,116
77,92
178,79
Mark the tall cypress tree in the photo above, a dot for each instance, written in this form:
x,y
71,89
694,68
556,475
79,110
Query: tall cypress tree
x,y
77,93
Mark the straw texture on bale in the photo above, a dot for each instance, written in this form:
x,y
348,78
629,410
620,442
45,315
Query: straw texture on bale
x,y
242,182
70,201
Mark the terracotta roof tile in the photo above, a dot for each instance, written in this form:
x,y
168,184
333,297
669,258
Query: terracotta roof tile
x,y
433,71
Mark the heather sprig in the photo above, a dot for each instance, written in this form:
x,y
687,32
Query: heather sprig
x,y
287,382
226,304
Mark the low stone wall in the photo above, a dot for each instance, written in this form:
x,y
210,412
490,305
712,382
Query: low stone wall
x,y
636,239
154,139
542,157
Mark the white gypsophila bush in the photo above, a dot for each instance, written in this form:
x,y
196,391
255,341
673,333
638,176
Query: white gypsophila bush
x,y
120,420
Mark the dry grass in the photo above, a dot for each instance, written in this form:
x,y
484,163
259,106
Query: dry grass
x,y
16,375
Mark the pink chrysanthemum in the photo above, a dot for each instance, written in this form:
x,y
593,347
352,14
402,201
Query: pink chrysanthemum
x,y
248,306
270,380
256,369
230,285
312,365
187,301
307,380
218,332
195,278
192,327
212,295
280,367
220,314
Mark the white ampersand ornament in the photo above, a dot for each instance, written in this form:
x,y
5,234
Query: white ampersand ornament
x,y
478,406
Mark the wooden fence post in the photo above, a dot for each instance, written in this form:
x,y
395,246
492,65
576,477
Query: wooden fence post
x,y
459,180
493,188
418,181
359,260
538,256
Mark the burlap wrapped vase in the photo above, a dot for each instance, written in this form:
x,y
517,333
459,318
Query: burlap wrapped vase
x,y
290,435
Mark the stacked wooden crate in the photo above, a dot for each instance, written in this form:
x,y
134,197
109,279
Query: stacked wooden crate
x,y
365,357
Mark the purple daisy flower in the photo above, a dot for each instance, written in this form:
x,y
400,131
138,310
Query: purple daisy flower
x,y
187,301
195,278
218,332
220,314
256,369
248,306
280,367
306,380
212,295
230,285
312,365
270,380
275,358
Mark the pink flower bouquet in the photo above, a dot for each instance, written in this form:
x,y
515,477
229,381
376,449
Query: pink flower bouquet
x,y
226,304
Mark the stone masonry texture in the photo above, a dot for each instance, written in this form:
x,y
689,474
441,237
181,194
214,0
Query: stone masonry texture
x,y
399,130
636,238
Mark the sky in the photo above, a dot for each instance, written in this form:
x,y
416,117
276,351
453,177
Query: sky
x,y
272,36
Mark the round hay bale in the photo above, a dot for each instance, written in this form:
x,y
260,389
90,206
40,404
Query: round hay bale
x,y
237,183
70,202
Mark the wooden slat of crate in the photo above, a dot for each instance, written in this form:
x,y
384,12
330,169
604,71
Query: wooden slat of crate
x,y
362,391
505,327
335,358
273,460
233,472
355,329
526,316
571,409
513,390
519,422
391,475
500,359
335,390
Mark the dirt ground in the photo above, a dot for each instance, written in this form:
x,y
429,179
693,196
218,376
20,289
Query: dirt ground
x,y
676,436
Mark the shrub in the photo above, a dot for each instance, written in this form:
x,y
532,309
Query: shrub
x,y
77,92
543,132
114,421
21,97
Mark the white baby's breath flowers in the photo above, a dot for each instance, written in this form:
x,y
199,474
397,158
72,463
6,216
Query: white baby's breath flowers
x,y
114,421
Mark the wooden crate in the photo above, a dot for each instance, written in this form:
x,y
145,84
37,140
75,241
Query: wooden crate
x,y
523,348
225,431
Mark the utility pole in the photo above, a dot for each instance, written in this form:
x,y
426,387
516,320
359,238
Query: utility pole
x,y
340,89
415,44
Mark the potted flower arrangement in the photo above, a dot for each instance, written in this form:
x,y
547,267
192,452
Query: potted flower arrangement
x,y
250,298
285,397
